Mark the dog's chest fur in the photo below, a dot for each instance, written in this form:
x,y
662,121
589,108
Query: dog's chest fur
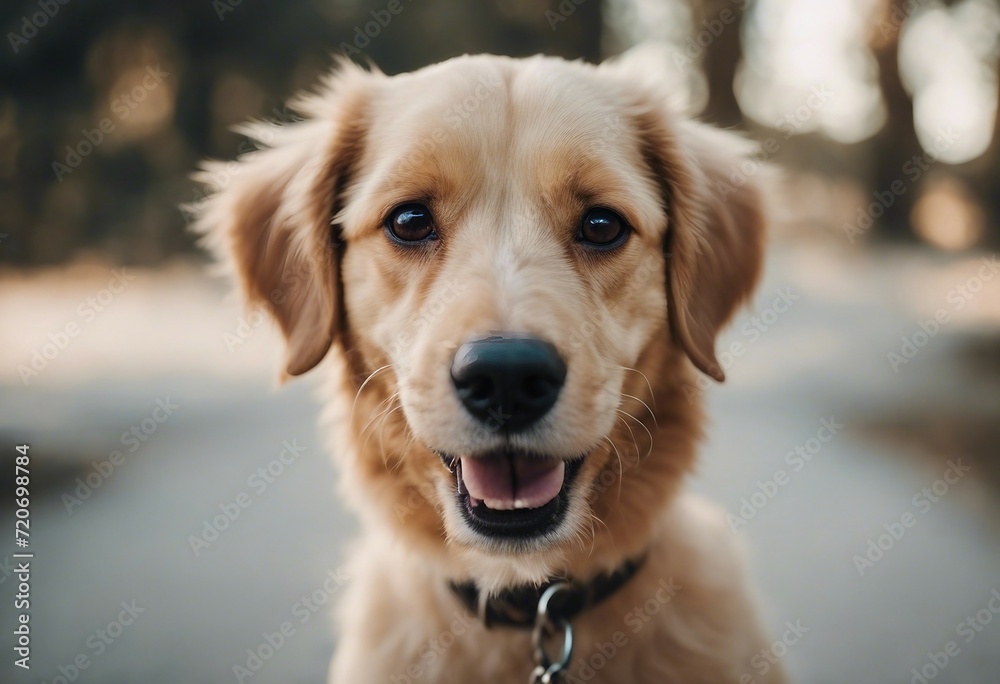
x,y
685,618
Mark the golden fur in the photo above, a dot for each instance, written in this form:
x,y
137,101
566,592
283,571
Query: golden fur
x,y
508,154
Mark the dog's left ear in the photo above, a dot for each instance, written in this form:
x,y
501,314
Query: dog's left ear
x,y
269,215
715,234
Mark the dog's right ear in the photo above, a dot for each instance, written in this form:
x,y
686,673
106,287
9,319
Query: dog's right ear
x,y
269,215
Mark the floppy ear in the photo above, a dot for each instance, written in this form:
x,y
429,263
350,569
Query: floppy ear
x,y
715,234
269,215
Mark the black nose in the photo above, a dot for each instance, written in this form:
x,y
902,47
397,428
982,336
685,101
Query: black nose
x,y
508,381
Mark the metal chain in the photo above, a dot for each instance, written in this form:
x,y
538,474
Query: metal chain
x,y
548,671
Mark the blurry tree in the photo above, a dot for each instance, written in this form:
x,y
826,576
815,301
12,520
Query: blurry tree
x,y
721,21
982,175
877,163
896,143
227,60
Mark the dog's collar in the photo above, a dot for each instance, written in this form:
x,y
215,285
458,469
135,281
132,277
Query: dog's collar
x,y
518,606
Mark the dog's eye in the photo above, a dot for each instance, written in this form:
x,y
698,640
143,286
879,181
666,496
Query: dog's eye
x,y
410,223
603,229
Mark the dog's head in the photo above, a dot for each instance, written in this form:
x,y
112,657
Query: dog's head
x,y
513,258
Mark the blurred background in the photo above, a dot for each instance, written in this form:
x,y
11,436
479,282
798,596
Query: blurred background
x,y
855,443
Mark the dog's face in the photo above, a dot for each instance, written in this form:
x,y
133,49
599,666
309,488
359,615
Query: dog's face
x,y
488,241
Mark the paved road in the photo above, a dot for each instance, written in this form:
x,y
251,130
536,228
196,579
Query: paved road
x,y
821,358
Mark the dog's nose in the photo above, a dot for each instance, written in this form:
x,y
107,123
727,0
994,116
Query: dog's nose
x,y
508,381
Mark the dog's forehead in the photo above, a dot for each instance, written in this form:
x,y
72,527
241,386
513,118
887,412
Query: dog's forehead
x,y
479,126
540,105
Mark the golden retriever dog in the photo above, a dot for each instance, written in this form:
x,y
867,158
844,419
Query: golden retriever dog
x,y
512,271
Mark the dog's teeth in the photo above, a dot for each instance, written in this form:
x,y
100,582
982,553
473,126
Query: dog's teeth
x,y
497,504
520,503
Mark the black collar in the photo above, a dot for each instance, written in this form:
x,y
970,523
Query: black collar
x,y
516,607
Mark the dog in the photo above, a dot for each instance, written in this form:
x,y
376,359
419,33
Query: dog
x,y
521,266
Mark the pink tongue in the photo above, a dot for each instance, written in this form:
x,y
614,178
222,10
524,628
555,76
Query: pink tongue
x,y
533,483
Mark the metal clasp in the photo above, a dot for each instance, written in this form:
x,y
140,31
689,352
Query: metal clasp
x,y
547,670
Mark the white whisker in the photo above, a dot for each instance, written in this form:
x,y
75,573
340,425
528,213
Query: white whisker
x,y
382,403
643,426
363,385
652,395
651,414
621,470
381,442
634,442
594,533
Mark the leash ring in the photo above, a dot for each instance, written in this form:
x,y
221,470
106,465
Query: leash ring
x,y
546,629
547,625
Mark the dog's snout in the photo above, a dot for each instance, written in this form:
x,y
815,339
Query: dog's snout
x,y
508,381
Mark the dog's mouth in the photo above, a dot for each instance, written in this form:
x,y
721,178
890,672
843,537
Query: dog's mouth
x,y
511,493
